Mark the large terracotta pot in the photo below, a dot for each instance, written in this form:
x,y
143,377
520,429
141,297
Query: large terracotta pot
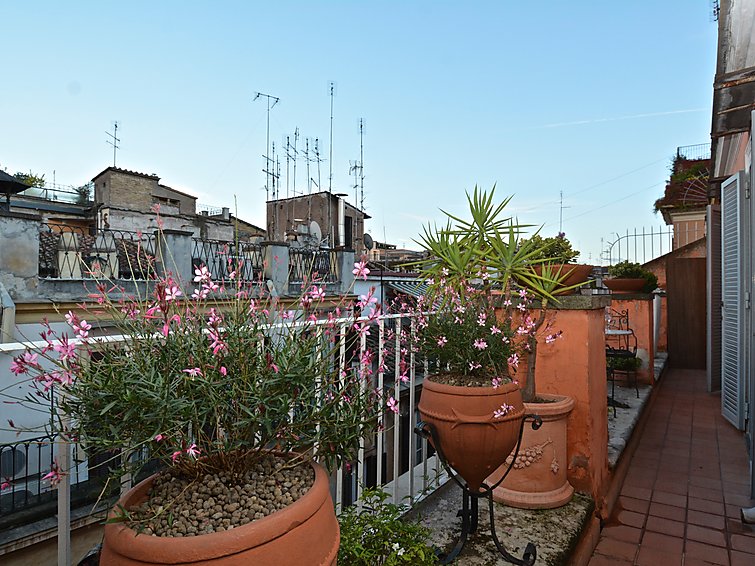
x,y
625,285
538,480
575,273
472,440
305,532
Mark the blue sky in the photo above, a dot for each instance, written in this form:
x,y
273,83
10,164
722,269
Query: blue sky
x,y
537,97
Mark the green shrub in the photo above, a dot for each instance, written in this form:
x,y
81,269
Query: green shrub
x,y
376,535
557,248
623,363
628,270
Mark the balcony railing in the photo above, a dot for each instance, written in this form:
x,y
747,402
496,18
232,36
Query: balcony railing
x,y
72,252
242,259
306,264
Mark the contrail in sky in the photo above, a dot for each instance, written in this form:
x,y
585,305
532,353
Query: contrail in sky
x,y
617,118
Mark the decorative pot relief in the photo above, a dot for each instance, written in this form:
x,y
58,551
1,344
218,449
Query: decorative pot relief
x,y
532,455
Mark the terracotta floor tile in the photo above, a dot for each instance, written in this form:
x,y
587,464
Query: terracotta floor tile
x,y
616,548
649,556
622,532
599,560
705,482
742,558
706,493
694,562
637,492
663,542
631,519
633,504
678,487
706,535
733,511
665,526
667,511
706,519
739,500
743,543
700,551
670,499
707,506
735,526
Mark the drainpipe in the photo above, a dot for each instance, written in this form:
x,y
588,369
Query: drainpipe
x,y
7,316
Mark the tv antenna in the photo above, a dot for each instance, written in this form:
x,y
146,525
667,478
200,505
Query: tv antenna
x,y
114,140
331,88
317,158
268,167
361,162
561,208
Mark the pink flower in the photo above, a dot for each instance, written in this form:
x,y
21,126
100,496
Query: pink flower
x,y
54,475
65,349
193,372
495,330
172,293
193,451
553,337
176,455
496,382
392,405
482,319
362,329
360,270
480,344
223,371
201,274
159,437
514,360
504,410
317,293
442,341
523,293
474,365
5,485
166,326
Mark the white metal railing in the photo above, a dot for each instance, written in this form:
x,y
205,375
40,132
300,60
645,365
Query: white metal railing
x,y
642,246
392,458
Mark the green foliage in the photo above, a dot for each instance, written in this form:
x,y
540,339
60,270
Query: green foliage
x,y
31,179
555,248
629,270
83,194
376,535
217,374
623,363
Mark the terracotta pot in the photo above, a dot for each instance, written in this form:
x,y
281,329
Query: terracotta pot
x,y
305,532
575,273
540,483
625,285
473,441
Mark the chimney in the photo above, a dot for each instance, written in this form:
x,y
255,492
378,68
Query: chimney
x,y
226,213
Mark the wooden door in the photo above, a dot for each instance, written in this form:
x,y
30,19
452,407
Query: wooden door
x,y
686,295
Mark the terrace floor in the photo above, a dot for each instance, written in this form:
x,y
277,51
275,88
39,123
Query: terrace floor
x,y
680,502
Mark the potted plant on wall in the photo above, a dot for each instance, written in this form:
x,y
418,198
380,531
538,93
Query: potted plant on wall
x,y
235,394
629,277
489,248
558,254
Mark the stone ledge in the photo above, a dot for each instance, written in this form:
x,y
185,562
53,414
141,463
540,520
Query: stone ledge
x,y
580,302
555,532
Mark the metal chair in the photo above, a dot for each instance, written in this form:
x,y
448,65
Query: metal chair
x,y
621,344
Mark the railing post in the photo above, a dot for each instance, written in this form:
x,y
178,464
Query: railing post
x,y
174,251
275,265
64,503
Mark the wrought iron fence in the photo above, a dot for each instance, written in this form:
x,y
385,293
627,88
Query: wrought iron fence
x,y
306,264
697,151
639,247
222,258
74,252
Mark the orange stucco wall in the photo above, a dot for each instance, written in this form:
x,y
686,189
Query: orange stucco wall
x,y
575,365
640,309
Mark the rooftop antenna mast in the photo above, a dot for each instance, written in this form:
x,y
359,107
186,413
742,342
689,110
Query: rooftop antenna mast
x,y
317,158
267,169
361,162
114,141
561,213
296,154
332,87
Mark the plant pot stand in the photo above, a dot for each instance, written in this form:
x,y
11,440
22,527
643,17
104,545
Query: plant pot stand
x,y
469,511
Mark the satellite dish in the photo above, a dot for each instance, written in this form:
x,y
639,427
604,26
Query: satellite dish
x,y
368,242
315,232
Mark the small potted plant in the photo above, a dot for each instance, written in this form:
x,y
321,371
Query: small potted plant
x,y
234,393
629,277
558,256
